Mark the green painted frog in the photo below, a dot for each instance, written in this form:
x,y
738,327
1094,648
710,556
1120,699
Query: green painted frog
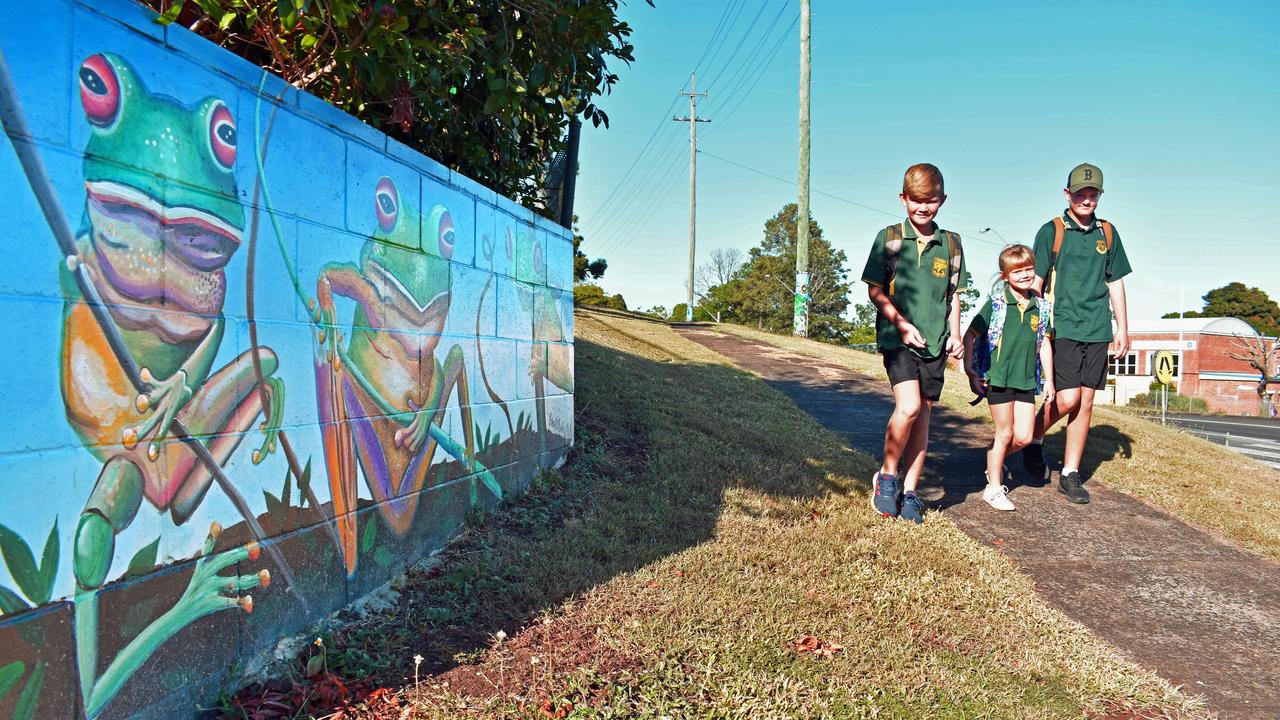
x,y
382,397
161,223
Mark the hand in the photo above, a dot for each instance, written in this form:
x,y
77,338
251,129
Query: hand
x,y
1120,347
955,347
1049,392
911,337
978,385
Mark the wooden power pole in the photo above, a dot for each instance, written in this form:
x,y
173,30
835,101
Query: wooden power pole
x,y
801,322
693,121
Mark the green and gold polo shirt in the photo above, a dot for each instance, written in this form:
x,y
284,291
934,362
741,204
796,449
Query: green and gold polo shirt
x,y
1081,301
1013,362
918,289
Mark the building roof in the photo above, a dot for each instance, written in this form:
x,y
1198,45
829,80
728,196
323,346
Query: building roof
x,y
1209,326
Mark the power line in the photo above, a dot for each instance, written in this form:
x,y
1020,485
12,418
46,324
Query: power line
x,y
773,53
662,122
719,45
741,73
855,203
738,47
714,34
649,169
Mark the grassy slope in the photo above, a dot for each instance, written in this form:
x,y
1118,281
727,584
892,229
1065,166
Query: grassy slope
x,y
703,524
1205,484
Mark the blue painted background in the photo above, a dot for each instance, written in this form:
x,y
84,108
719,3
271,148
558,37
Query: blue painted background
x,y
508,330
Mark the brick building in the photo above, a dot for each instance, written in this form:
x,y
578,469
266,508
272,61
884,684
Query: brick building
x,y
1202,367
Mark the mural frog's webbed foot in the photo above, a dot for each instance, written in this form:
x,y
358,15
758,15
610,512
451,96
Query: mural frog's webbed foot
x,y
163,401
416,433
209,592
275,418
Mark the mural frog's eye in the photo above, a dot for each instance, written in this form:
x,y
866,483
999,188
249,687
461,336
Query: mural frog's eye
x,y
222,135
99,91
446,236
387,199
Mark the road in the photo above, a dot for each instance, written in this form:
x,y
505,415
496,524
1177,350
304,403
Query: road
x,y
1258,438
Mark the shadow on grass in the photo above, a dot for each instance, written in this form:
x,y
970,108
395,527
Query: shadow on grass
x,y
659,443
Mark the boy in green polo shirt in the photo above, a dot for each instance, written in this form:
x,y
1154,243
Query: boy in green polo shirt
x,y
912,274
1005,357
1081,264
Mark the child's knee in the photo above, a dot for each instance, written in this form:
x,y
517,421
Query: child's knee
x,y
908,410
1022,438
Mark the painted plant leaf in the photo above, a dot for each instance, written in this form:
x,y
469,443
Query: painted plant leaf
x,y
304,482
48,565
273,505
287,490
10,603
10,675
21,564
370,534
144,560
25,709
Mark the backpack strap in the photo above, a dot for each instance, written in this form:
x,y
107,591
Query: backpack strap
x,y
956,253
892,249
1108,232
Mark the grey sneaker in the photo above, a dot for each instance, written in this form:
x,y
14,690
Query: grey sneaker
x,y
1069,484
884,494
912,508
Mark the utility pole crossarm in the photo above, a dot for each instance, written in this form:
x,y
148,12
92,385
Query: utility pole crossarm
x,y
693,121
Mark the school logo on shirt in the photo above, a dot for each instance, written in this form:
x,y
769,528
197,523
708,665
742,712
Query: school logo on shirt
x,y
939,267
1101,247
1035,323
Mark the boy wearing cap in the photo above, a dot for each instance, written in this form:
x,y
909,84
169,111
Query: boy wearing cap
x,y
912,275
1081,265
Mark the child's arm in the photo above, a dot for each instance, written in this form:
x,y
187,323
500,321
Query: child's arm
x,y
911,337
1119,306
955,346
977,384
1046,370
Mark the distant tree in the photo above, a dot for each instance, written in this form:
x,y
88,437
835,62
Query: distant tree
x,y
588,295
1237,300
678,312
863,329
658,311
1260,355
582,266
762,291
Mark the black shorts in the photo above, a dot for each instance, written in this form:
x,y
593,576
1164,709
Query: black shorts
x,y
1000,396
1077,364
904,365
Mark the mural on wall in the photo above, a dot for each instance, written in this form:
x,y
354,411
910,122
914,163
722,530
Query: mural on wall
x,y
192,367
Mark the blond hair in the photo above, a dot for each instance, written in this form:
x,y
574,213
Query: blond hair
x,y
1014,257
922,181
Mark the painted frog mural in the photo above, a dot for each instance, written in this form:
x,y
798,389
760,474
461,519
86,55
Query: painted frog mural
x,y
382,397
155,250
528,258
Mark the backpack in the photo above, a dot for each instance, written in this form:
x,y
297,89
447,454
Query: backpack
x,y
985,348
893,248
1060,230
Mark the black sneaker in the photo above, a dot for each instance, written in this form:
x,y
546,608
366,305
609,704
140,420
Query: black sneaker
x,y
1033,461
912,508
1069,484
884,494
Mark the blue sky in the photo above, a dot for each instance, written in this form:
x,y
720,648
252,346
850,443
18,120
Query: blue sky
x,y
1176,102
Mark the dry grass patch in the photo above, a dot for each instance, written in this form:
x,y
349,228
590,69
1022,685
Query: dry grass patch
x,y
703,526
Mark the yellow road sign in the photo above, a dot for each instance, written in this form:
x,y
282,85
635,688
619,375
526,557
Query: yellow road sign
x,y
1163,363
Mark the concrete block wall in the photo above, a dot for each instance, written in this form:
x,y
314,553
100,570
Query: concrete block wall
x,y
313,352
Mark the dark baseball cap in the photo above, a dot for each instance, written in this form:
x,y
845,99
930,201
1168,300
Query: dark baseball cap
x,y
1084,175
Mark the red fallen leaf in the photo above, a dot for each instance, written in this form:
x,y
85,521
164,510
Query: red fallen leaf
x,y
811,593
565,708
547,708
811,644
805,644
679,573
814,516
653,584
997,541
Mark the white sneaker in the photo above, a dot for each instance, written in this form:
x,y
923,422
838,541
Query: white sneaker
x,y
997,496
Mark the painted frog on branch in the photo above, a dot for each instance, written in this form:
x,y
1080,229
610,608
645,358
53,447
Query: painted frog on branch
x,y
161,223
383,396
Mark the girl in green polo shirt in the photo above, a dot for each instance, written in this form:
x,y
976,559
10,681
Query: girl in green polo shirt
x,y
1005,357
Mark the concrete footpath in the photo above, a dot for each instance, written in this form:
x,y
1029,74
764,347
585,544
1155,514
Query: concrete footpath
x,y
1200,611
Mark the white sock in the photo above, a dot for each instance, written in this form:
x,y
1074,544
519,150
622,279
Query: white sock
x,y
1037,441
1068,471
